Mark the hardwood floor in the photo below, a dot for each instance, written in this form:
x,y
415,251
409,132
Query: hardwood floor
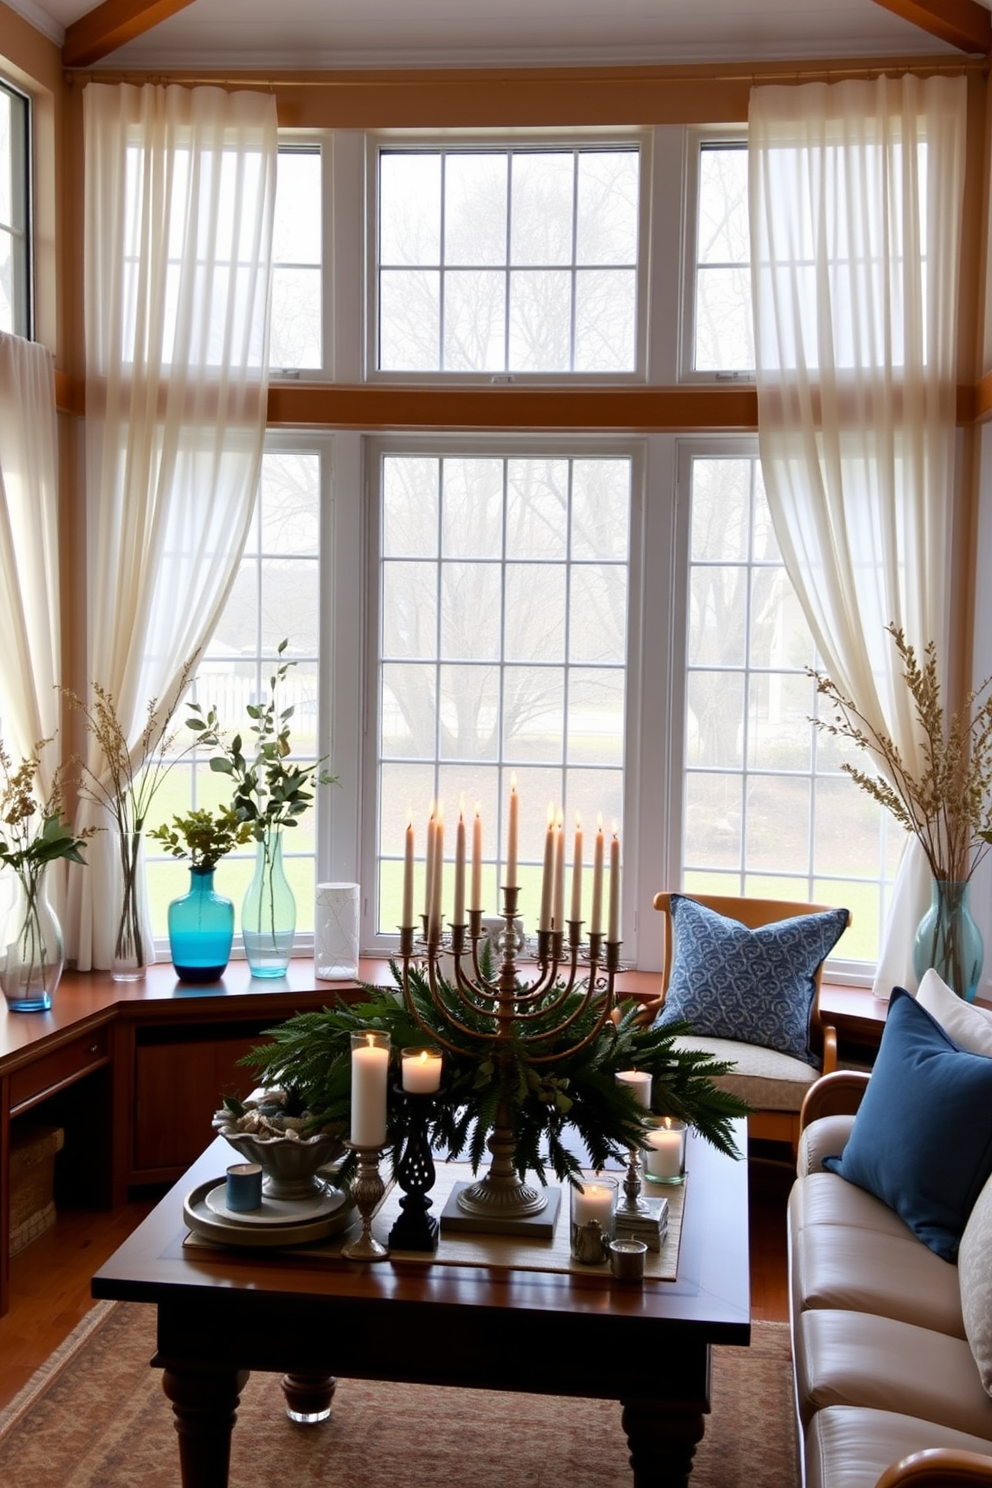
x,y
50,1280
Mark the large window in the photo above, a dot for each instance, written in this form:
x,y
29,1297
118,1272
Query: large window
x,y
508,262
503,622
15,212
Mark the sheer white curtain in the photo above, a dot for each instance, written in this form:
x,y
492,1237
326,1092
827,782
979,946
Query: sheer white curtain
x,y
855,198
180,191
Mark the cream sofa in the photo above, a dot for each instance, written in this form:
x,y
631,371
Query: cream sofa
x,y
892,1344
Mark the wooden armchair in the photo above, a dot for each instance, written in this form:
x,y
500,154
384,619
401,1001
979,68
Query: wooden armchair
x,y
773,1084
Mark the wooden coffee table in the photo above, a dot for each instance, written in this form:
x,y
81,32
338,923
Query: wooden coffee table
x,y
222,1314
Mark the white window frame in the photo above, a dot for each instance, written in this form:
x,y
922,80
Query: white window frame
x,y
23,289
536,140
695,140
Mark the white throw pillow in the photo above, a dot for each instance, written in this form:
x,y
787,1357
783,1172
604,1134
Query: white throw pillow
x,y
969,1026
975,1280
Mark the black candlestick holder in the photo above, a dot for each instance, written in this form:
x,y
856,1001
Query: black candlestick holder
x,y
415,1229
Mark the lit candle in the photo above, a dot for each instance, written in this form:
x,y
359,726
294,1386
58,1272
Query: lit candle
x,y
421,1071
596,925
369,1071
429,860
437,874
511,838
559,899
459,915
594,1201
664,1155
407,920
548,875
638,1082
613,929
477,860
577,870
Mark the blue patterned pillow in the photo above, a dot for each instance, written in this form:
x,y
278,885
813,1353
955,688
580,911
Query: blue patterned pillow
x,y
755,986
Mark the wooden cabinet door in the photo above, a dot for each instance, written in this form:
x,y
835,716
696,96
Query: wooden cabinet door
x,y
178,1087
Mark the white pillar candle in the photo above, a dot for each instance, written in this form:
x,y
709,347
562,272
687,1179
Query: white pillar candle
x,y
664,1156
559,897
477,860
596,922
369,1073
638,1082
459,915
548,874
429,859
421,1071
511,838
437,875
407,920
594,1201
577,870
613,929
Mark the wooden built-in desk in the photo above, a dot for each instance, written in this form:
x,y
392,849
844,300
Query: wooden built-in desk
x,y
134,1071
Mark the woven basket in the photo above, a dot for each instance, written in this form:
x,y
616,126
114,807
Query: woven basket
x,y
32,1182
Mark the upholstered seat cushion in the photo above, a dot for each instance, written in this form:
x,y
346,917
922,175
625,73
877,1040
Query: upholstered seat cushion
x,y
855,1358
867,1270
766,1079
825,1199
753,986
850,1446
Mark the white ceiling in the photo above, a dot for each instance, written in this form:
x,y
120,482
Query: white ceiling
x,y
414,33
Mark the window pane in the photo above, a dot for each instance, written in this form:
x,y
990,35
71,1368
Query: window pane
x,y
543,191
474,320
409,208
296,236
294,335
605,324
475,205
540,321
473,509
409,320
724,325
15,212
537,508
410,508
608,207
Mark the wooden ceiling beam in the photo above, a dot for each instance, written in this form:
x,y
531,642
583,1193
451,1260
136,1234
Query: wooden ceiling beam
x,y
112,25
963,23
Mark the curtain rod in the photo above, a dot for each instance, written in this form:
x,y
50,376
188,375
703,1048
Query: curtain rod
x,y
402,76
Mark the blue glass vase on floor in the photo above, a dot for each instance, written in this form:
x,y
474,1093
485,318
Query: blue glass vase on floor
x,y
948,939
268,915
201,930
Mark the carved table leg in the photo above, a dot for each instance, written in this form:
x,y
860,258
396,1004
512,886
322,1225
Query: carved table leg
x,y
205,1405
662,1440
308,1396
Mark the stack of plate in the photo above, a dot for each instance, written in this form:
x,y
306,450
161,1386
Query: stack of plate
x,y
275,1222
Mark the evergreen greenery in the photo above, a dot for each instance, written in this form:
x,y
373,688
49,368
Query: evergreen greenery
x,y
310,1054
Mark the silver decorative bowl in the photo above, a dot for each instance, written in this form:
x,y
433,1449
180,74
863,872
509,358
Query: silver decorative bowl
x,y
289,1164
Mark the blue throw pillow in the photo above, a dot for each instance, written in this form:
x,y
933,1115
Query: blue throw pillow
x,y
922,1138
755,986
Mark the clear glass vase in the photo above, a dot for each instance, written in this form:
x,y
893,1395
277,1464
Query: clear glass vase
x,y
948,939
130,954
268,915
201,930
33,956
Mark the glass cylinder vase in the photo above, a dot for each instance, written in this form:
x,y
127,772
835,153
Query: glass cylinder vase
x,y
268,915
33,955
948,939
130,954
201,930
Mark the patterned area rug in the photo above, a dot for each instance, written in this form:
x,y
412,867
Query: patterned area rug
x,y
95,1416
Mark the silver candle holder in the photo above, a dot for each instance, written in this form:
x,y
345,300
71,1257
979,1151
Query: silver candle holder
x,y
368,1190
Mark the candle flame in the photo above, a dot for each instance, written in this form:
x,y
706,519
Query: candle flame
x,y
578,822
668,1123
423,1056
513,782
433,809
370,1040
551,813
599,822
461,807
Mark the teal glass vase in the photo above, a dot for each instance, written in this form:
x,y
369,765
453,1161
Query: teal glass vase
x,y
268,915
201,930
949,941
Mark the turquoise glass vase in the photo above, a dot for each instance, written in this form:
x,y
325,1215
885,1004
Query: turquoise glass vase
x,y
268,915
948,939
201,930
